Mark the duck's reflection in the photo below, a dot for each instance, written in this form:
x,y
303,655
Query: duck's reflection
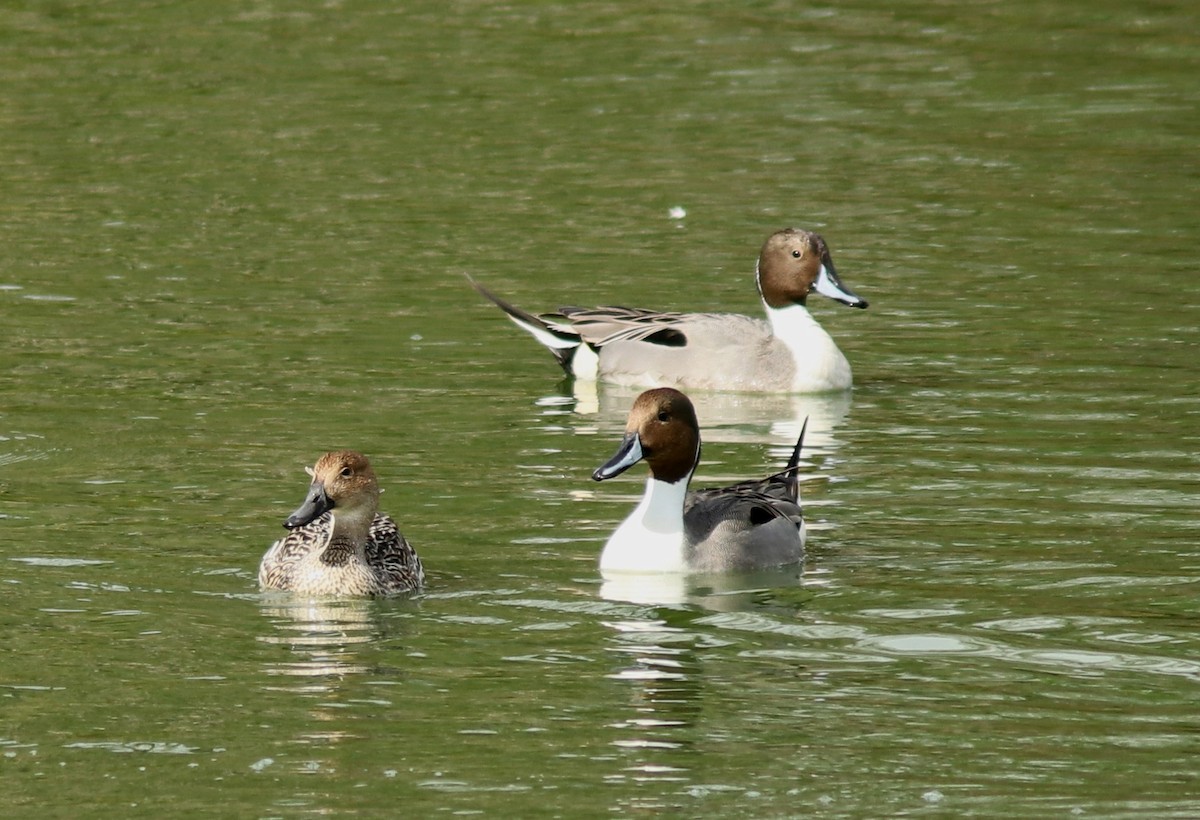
x,y
724,592
322,651
324,636
656,740
661,660
759,418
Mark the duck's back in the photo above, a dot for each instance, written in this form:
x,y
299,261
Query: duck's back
x,y
704,351
752,525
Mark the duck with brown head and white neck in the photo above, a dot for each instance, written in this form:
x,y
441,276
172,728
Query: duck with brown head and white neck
x,y
339,543
752,525
788,353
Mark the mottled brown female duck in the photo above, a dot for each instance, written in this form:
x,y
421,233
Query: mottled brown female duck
x,y
340,544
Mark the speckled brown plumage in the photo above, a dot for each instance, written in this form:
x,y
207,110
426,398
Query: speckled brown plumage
x,y
340,544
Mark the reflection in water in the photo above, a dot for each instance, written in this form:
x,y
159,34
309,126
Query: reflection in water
x,y
12,453
719,592
663,738
655,589
757,418
323,636
656,739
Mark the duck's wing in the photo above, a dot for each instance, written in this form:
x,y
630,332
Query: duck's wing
x,y
391,557
600,326
751,503
748,525
738,529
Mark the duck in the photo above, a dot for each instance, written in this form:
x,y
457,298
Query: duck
x,y
789,352
338,543
751,525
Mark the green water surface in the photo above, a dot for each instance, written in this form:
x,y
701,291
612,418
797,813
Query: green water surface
x,y
233,236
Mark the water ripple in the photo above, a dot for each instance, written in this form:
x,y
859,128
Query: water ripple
x,y
125,747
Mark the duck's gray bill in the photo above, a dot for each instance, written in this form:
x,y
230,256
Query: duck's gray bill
x,y
628,454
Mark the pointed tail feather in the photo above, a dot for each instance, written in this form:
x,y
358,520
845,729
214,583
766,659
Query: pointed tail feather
x,y
561,343
792,471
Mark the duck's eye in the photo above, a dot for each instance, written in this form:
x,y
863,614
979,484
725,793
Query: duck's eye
x,y
347,472
663,415
796,254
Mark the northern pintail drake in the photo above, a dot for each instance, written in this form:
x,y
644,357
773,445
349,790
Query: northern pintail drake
x,y
340,544
751,525
788,353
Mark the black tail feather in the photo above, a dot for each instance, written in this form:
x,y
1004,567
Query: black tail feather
x,y
792,471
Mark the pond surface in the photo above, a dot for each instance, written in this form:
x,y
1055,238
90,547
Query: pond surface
x,y
234,237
